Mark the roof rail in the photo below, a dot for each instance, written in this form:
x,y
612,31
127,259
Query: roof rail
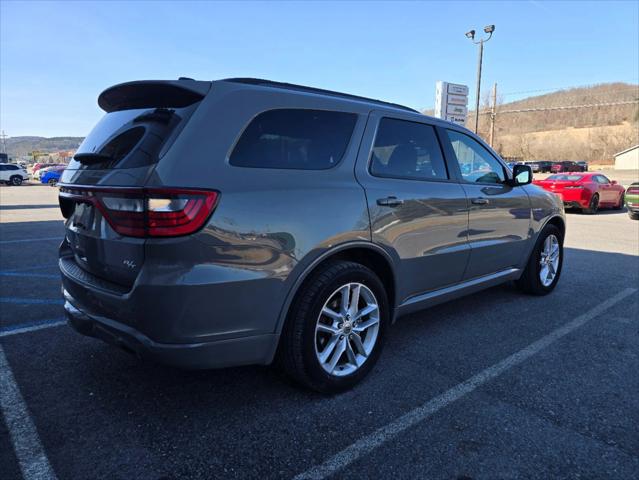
x,y
320,91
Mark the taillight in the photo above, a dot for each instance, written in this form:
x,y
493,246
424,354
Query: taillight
x,y
633,191
146,212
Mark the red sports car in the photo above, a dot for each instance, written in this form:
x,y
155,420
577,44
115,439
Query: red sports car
x,y
586,191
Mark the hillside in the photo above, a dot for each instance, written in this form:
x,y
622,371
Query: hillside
x,y
544,128
19,146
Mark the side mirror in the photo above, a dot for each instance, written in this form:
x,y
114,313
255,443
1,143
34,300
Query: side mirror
x,y
522,175
614,182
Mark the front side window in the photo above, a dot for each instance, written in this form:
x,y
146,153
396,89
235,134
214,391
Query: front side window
x,y
407,150
294,139
476,163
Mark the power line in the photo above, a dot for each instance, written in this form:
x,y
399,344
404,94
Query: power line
x,y
563,107
558,89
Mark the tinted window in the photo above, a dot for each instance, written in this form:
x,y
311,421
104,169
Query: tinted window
x,y
601,179
570,178
476,163
294,138
129,138
11,167
407,150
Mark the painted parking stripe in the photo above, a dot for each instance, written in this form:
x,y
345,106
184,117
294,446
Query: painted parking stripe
x,y
27,274
25,240
32,458
32,301
27,269
386,433
31,327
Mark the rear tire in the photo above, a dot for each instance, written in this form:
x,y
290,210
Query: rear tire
x,y
52,182
311,339
593,206
531,280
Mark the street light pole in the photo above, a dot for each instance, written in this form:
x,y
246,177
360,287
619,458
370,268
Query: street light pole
x,y
489,29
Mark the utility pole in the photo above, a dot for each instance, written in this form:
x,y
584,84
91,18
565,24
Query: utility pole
x,y
493,113
489,29
3,139
478,91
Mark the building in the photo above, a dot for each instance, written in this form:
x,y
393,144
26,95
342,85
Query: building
x,y
628,159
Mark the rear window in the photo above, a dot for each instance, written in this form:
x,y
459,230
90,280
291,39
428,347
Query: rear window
x,y
565,178
130,138
294,139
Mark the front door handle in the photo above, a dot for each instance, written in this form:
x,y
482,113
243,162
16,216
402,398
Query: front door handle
x,y
480,201
389,202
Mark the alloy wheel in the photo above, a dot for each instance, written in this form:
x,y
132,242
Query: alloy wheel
x,y
347,329
549,260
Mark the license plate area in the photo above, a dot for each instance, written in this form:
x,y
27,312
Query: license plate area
x,y
83,216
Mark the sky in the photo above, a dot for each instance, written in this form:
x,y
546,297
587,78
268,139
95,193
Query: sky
x,y
56,57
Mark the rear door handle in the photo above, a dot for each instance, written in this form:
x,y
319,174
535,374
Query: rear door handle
x,y
389,202
480,201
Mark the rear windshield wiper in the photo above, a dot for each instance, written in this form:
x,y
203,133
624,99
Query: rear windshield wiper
x,y
161,115
92,158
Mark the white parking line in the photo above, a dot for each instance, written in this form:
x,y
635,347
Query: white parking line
x,y
18,330
23,434
368,443
24,240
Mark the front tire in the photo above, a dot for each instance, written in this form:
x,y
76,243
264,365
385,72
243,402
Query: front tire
x,y
52,182
336,327
622,200
633,215
544,265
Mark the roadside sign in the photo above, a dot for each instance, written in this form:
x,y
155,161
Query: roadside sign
x,y
451,100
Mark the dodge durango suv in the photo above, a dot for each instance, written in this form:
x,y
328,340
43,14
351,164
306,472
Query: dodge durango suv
x,y
245,221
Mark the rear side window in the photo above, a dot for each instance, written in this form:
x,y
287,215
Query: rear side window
x,y
294,139
407,150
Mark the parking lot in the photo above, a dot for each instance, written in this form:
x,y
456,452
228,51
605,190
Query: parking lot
x,y
495,385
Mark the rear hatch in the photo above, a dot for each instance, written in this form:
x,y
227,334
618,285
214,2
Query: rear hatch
x,y
560,182
102,194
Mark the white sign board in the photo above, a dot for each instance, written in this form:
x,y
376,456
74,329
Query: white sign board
x,y
451,100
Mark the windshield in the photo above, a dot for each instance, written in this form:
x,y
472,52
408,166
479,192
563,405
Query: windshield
x,y
129,138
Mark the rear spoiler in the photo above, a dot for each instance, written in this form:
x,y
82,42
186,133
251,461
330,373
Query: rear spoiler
x,y
153,93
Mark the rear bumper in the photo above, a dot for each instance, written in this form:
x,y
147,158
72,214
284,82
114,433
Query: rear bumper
x,y
257,349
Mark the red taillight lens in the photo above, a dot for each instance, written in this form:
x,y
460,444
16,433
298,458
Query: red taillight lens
x,y
148,212
633,191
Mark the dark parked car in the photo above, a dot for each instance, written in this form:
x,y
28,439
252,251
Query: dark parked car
x,y
567,166
583,165
541,166
211,224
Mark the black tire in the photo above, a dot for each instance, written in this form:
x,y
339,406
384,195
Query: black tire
x,y
633,215
622,201
52,182
16,180
593,206
296,352
530,281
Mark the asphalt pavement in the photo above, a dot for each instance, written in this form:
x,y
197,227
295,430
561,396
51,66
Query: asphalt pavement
x,y
495,385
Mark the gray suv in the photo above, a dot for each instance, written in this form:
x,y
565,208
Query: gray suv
x,y
243,221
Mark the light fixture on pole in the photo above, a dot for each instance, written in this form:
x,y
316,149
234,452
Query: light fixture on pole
x,y
489,29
